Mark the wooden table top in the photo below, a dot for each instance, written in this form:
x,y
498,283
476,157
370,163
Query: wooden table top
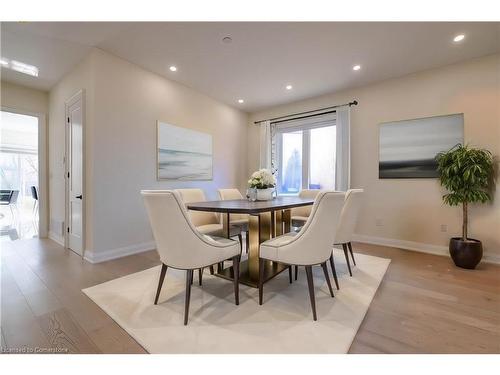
x,y
244,206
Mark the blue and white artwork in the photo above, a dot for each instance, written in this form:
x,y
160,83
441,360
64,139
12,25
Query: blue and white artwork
x,y
183,154
408,148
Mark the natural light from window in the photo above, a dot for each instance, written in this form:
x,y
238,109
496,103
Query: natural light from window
x,y
306,160
18,173
290,173
322,158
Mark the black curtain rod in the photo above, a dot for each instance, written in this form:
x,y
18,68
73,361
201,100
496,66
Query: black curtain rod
x,y
294,115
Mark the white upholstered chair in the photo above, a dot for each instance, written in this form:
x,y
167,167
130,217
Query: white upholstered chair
x,y
300,214
347,223
311,246
237,220
206,222
299,218
181,246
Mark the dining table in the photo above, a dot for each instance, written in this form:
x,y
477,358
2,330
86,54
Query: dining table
x,y
266,220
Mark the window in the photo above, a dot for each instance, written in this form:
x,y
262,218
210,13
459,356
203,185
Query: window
x,y
290,163
304,154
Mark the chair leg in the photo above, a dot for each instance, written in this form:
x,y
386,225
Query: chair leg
x,y
327,277
296,272
236,267
200,276
344,246
160,282
352,254
189,281
334,271
247,241
220,266
240,240
290,274
212,270
310,283
261,280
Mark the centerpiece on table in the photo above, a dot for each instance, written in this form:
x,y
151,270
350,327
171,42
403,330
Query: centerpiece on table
x,y
263,182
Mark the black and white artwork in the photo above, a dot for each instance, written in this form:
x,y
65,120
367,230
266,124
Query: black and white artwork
x,y
183,154
408,148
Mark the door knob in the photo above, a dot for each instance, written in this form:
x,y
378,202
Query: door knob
x,y
79,196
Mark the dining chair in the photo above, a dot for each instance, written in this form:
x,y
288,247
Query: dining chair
x,y
34,195
9,198
300,214
237,220
206,222
299,218
311,246
181,246
347,224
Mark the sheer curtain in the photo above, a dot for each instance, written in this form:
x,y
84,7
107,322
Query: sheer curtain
x,y
265,145
343,157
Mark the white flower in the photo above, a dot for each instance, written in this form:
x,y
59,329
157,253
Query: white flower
x,y
262,179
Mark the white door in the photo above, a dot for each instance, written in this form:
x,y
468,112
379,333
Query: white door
x,y
74,174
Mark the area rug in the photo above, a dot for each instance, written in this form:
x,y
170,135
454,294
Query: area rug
x,y
283,324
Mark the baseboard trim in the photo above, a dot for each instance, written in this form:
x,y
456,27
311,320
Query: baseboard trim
x,y
56,238
416,246
103,256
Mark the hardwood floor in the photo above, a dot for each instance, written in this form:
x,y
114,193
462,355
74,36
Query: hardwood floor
x,y
424,304
427,305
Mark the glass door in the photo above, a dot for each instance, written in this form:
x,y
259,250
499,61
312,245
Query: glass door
x,y
18,176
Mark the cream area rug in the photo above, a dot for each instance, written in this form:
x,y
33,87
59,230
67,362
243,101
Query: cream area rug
x,y
283,324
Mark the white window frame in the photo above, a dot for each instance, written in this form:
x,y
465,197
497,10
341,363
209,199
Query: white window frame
x,y
304,125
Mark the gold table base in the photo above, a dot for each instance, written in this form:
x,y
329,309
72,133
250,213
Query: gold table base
x,y
271,270
261,227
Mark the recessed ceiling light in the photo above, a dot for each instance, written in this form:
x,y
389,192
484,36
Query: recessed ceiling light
x,y
356,67
19,66
227,39
459,38
173,68
241,101
289,87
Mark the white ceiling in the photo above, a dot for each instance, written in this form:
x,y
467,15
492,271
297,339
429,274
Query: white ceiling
x,y
316,58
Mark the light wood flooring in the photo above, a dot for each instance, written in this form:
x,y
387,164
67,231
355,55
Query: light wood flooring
x,y
424,304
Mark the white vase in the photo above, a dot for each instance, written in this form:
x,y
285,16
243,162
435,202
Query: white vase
x,y
265,194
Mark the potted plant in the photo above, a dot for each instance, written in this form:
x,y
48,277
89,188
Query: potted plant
x,y
467,174
264,182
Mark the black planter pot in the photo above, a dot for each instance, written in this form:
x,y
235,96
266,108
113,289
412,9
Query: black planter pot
x,y
466,254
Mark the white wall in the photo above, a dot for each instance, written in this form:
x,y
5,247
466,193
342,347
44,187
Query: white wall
x,y
411,209
24,98
122,110
80,78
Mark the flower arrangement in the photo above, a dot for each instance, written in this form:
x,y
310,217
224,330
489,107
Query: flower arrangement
x,y
262,179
